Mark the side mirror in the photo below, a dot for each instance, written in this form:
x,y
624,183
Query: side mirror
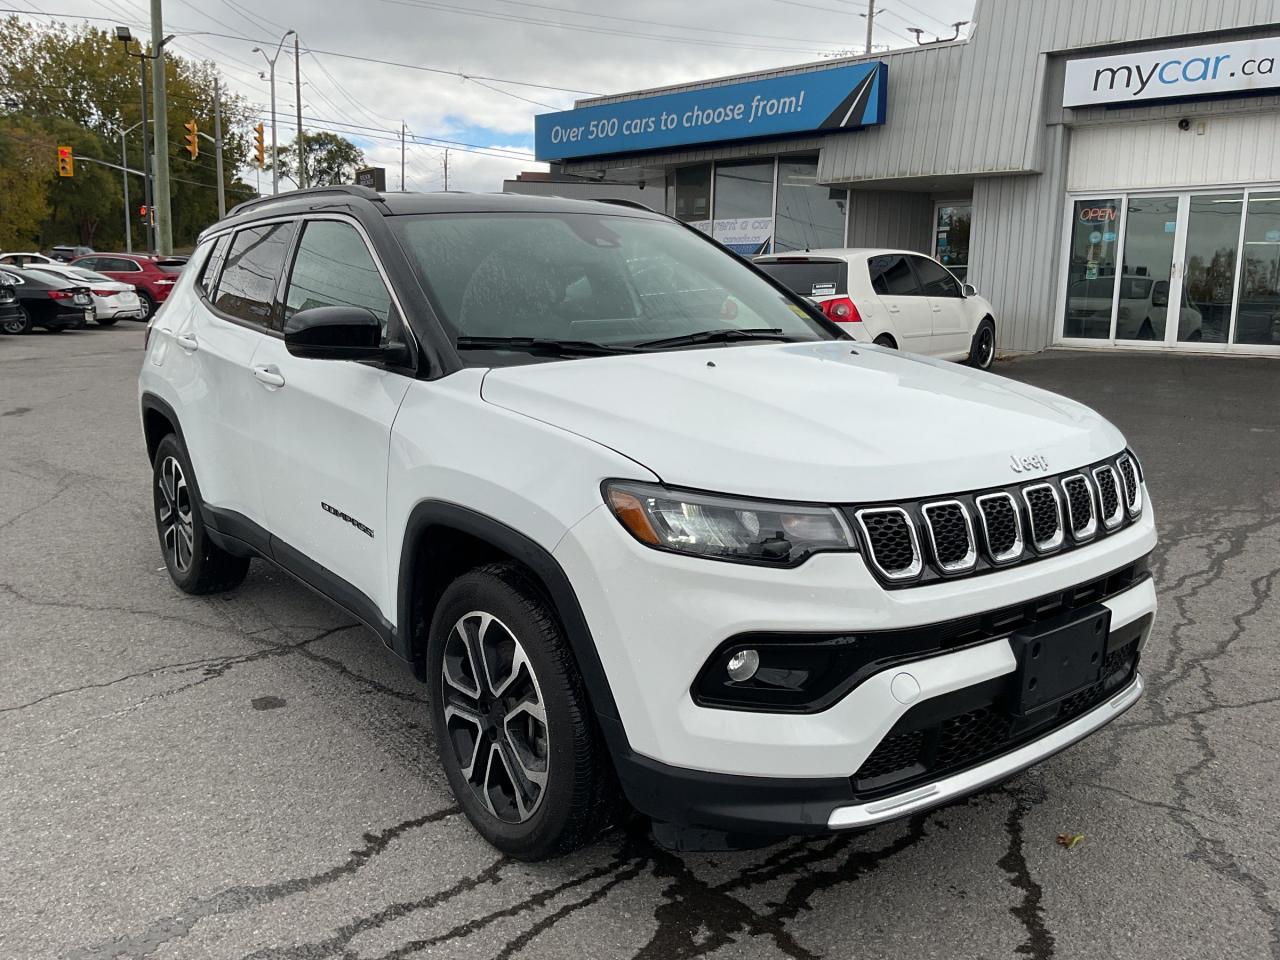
x,y
968,290
1160,295
334,333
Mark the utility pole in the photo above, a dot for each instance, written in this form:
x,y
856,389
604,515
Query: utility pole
x,y
164,214
217,146
871,23
402,156
301,144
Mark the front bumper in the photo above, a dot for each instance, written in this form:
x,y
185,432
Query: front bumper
x,y
656,617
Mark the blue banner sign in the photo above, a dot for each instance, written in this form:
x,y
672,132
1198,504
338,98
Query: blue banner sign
x,y
841,98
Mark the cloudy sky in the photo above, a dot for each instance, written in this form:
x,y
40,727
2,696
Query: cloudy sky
x,y
523,57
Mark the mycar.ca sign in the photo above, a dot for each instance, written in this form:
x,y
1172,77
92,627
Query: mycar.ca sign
x,y
836,99
1209,69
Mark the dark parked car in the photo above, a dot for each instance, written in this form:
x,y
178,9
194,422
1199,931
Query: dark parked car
x,y
9,312
154,277
66,252
46,300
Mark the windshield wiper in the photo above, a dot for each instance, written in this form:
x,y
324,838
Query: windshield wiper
x,y
723,335
568,348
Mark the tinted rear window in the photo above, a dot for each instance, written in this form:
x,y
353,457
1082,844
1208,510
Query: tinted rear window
x,y
809,278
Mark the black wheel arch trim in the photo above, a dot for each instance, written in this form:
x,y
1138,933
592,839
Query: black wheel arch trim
x,y
539,560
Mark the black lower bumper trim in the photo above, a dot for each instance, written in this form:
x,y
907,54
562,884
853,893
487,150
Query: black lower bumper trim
x,y
726,802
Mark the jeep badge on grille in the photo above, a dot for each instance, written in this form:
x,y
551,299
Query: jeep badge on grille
x,y
1036,461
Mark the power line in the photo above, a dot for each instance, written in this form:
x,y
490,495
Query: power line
x,y
328,53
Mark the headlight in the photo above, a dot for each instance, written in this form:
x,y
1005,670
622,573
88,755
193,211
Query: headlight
x,y
726,528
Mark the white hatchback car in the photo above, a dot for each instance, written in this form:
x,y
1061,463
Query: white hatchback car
x,y
896,298
575,464
112,300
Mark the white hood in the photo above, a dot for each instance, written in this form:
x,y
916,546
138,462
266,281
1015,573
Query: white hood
x,y
831,421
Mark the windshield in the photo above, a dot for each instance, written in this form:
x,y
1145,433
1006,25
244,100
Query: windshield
x,y
599,278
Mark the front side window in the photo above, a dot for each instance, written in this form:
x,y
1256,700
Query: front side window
x,y
606,279
333,267
891,276
247,285
934,280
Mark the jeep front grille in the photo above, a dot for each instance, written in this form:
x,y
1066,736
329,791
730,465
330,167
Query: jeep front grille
x,y
1045,509
1132,491
1109,496
892,544
950,535
1001,526
1080,515
912,542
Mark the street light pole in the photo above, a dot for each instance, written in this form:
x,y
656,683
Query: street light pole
x,y
146,159
126,37
271,62
124,177
297,89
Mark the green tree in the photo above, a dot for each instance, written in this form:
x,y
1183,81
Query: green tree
x,y
25,174
60,75
328,158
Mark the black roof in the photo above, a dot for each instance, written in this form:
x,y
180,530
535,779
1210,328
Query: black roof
x,y
395,204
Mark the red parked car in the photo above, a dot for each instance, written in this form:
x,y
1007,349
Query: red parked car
x,y
153,277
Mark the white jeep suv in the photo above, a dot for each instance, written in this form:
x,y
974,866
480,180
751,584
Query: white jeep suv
x,y
574,464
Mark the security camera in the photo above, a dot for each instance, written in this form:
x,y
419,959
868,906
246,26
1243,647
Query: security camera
x,y
1184,124
641,184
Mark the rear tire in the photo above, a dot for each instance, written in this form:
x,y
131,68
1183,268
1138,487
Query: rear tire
x,y
195,563
148,303
982,351
884,340
20,324
520,749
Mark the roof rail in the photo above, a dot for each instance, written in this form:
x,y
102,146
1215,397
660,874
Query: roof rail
x,y
346,189
622,202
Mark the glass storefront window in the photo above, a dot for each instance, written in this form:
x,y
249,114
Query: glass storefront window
x,y
1258,312
743,218
692,189
951,236
810,216
1091,273
1213,232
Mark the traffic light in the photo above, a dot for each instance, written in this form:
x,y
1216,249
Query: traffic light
x,y
142,211
66,162
260,146
192,138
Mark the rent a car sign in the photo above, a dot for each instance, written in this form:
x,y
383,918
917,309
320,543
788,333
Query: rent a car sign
x,y
838,98
1207,70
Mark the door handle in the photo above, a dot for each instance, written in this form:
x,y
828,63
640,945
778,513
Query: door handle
x,y
187,342
270,375
894,308
936,308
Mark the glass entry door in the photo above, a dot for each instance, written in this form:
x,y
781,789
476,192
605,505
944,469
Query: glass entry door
x,y
1145,285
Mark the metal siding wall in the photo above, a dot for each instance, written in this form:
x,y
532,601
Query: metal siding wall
x,y
1015,249
1233,149
890,218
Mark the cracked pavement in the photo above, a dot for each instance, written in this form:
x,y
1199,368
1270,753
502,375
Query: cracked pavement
x,y
251,774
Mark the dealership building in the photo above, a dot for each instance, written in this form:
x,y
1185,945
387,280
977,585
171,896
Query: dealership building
x,y
1107,174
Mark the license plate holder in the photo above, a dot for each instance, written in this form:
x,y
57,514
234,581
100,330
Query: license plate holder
x,y
1059,657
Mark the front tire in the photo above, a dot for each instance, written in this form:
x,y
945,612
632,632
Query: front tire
x,y
982,351
196,564
512,721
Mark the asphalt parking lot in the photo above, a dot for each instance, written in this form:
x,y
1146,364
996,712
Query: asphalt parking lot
x,y
251,775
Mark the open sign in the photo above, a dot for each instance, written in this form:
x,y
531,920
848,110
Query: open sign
x,y
1098,215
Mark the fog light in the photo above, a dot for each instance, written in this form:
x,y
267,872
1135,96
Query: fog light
x,y
743,665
